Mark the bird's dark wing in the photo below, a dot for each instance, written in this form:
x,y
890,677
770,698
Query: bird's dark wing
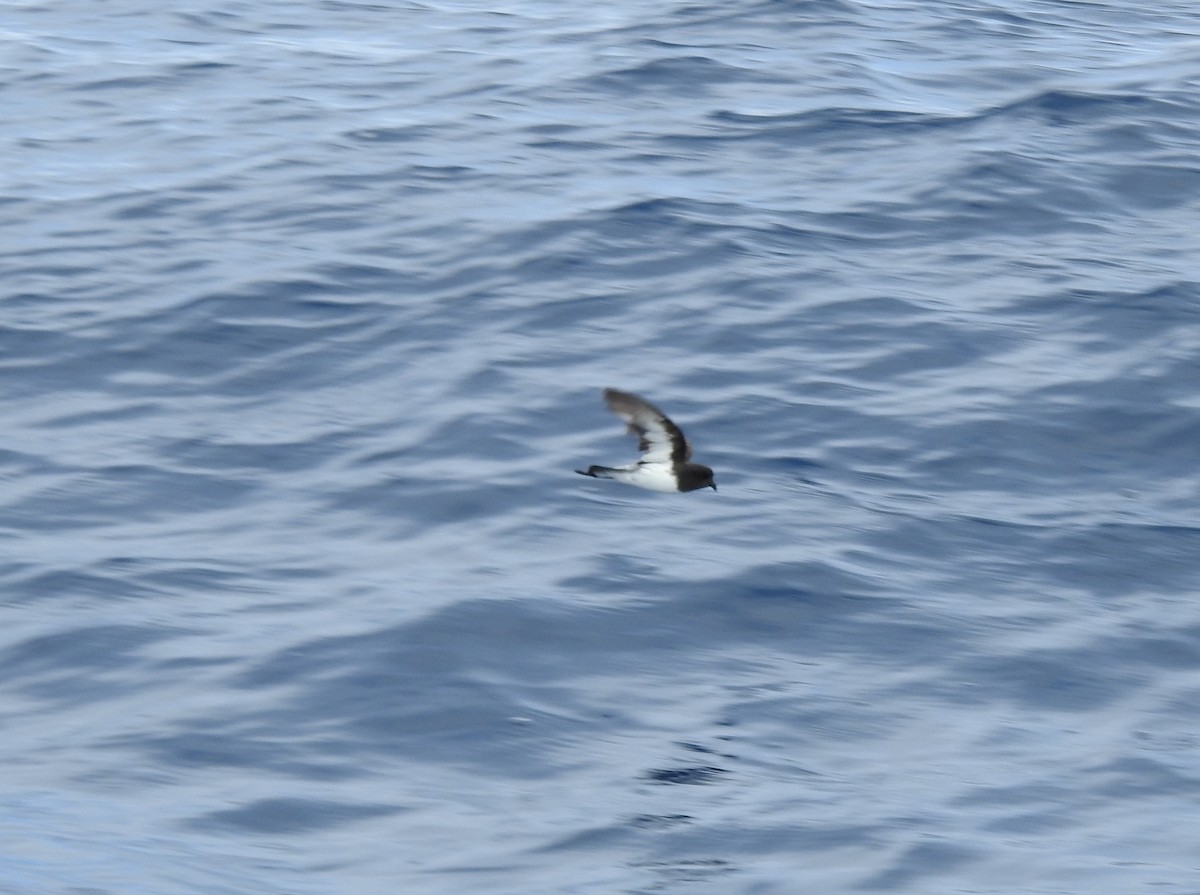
x,y
659,439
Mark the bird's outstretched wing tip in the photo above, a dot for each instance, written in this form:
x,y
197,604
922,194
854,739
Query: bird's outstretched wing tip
x,y
614,397
628,405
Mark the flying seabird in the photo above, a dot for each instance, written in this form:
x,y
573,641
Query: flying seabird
x,y
665,452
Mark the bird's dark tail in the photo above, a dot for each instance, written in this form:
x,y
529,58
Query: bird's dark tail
x,y
598,472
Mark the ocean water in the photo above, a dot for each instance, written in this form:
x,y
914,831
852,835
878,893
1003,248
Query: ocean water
x,y
304,316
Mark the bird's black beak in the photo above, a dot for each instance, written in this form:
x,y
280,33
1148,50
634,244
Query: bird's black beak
x,y
713,485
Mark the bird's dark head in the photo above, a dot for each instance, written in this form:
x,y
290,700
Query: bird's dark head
x,y
695,476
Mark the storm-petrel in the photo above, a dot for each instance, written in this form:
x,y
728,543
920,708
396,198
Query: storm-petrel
x,y
665,452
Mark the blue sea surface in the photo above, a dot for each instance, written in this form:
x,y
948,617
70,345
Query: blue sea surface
x,y
304,317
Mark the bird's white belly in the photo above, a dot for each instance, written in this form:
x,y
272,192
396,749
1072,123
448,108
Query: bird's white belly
x,y
653,476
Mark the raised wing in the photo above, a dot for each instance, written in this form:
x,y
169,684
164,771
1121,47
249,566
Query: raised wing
x,y
659,439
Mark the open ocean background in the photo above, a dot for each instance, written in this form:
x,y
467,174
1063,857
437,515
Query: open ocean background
x,y
305,309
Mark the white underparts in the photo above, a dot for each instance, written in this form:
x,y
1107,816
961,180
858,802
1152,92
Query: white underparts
x,y
652,476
